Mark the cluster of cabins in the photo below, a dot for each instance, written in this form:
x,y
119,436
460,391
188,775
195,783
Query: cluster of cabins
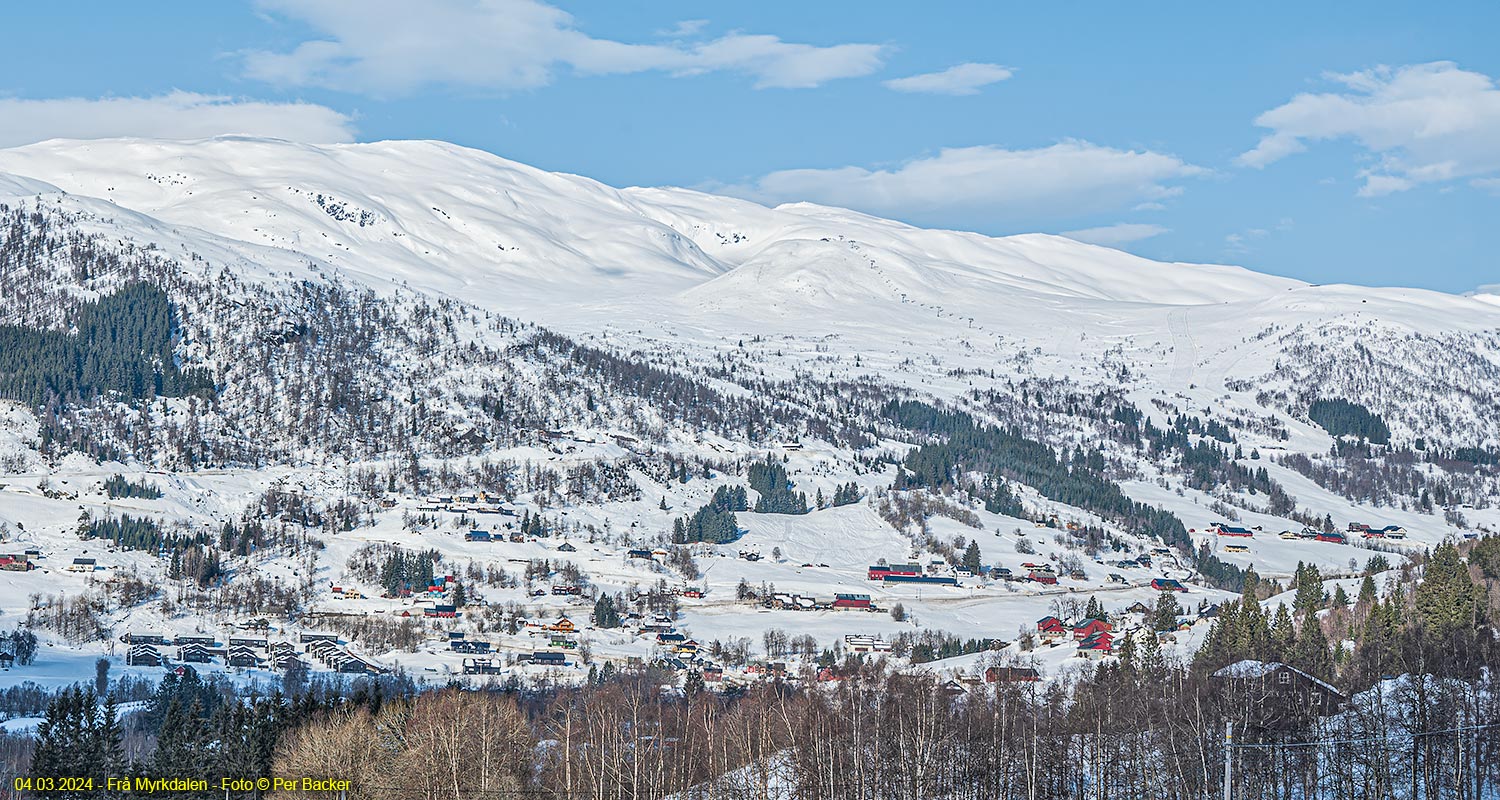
x,y
798,602
678,652
248,652
908,573
1095,638
516,536
325,648
465,504
1363,530
20,562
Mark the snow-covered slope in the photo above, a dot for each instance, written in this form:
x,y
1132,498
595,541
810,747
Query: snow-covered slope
x,y
274,249
511,237
672,263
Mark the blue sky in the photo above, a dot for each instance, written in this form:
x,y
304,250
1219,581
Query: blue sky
x,y
1329,142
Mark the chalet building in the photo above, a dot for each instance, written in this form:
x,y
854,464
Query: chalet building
x,y
288,661
1138,608
1278,691
1012,675
1167,585
549,659
1049,628
82,565
354,666
143,638
308,638
1234,530
481,666
247,641
16,562
143,655
280,649
566,548
180,641
478,536
1097,646
194,653
641,554
242,657
443,610
468,646
866,644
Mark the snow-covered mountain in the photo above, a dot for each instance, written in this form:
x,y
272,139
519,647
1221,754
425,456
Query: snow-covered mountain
x,y
375,313
586,258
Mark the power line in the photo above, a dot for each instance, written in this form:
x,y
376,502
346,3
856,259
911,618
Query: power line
x,y
1394,735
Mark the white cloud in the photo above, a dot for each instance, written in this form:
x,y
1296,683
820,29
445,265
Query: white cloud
x,y
1423,123
1240,243
396,47
177,115
1117,234
982,186
962,79
684,29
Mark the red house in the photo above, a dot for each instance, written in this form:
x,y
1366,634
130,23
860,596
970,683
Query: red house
x,y
1091,627
1043,577
1167,585
1096,646
1051,628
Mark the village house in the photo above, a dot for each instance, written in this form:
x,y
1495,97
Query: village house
x,y
866,644
194,653
1050,628
143,655
82,565
1096,646
1011,675
1089,627
242,657
481,666
1277,690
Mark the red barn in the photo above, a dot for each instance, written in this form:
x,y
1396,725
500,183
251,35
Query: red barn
x,y
851,601
1167,585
